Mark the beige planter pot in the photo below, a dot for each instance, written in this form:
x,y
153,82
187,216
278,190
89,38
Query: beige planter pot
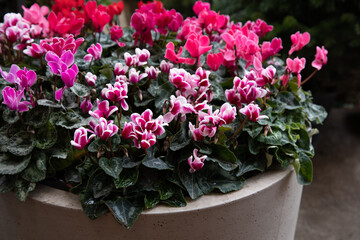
x,y
266,208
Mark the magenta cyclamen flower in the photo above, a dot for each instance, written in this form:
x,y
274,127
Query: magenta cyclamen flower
x,y
197,45
35,50
26,78
143,129
299,40
104,110
117,93
104,129
166,66
152,73
81,138
135,76
120,69
252,112
195,162
12,99
86,105
178,106
244,91
94,51
320,58
90,79
142,56
11,76
227,113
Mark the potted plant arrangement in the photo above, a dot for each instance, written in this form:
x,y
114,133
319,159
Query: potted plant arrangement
x,y
160,113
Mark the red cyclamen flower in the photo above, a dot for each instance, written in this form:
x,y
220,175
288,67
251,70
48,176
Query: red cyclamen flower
x,y
214,60
176,58
197,45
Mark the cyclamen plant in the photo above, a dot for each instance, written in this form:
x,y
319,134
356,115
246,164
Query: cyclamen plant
x,y
150,114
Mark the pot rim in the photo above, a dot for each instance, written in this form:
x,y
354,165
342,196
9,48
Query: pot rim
x,y
254,185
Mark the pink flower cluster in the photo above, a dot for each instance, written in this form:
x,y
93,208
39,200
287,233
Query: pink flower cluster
x,y
101,127
153,16
143,129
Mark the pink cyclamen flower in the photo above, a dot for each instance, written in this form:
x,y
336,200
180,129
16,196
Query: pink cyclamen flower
x,y
26,78
117,93
166,66
129,59
228,113
86,105
299,40
320,58
196,134
120,69
214,60
176,57
12,99
197,45
94,51
116,32
35,50
90,79
200,6
271,48
81,138
195,162
142,56
104,129
252,112
268,74
135,76
11,76
152,73
178,106
104,110
295,66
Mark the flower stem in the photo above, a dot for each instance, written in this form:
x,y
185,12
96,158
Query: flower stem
x,y
308,78
55,80
21,118
239,129
111,149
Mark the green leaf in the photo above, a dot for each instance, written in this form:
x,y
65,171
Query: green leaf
x,y
107,72
10,116
253,129
223,153
151,199
165,189
7,183
92,207
48,103
80,90
304,169
127,178
161,93
189,180
256,163
315,113
37,117
10,164
99,184
177,200
124,211
254,146
22,188
36,170
68,120
304,140
181,139
226,186
224,165
4,139
46,136
21,144
112,166
151,161
274,138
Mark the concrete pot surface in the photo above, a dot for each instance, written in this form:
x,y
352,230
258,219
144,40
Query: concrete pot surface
x,y
265,208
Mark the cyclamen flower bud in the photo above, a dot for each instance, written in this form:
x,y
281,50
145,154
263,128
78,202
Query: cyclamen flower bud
x,y
152,72
86,105
90,79
166,66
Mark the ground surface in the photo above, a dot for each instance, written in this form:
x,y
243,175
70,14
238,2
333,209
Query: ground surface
x,y
330,207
